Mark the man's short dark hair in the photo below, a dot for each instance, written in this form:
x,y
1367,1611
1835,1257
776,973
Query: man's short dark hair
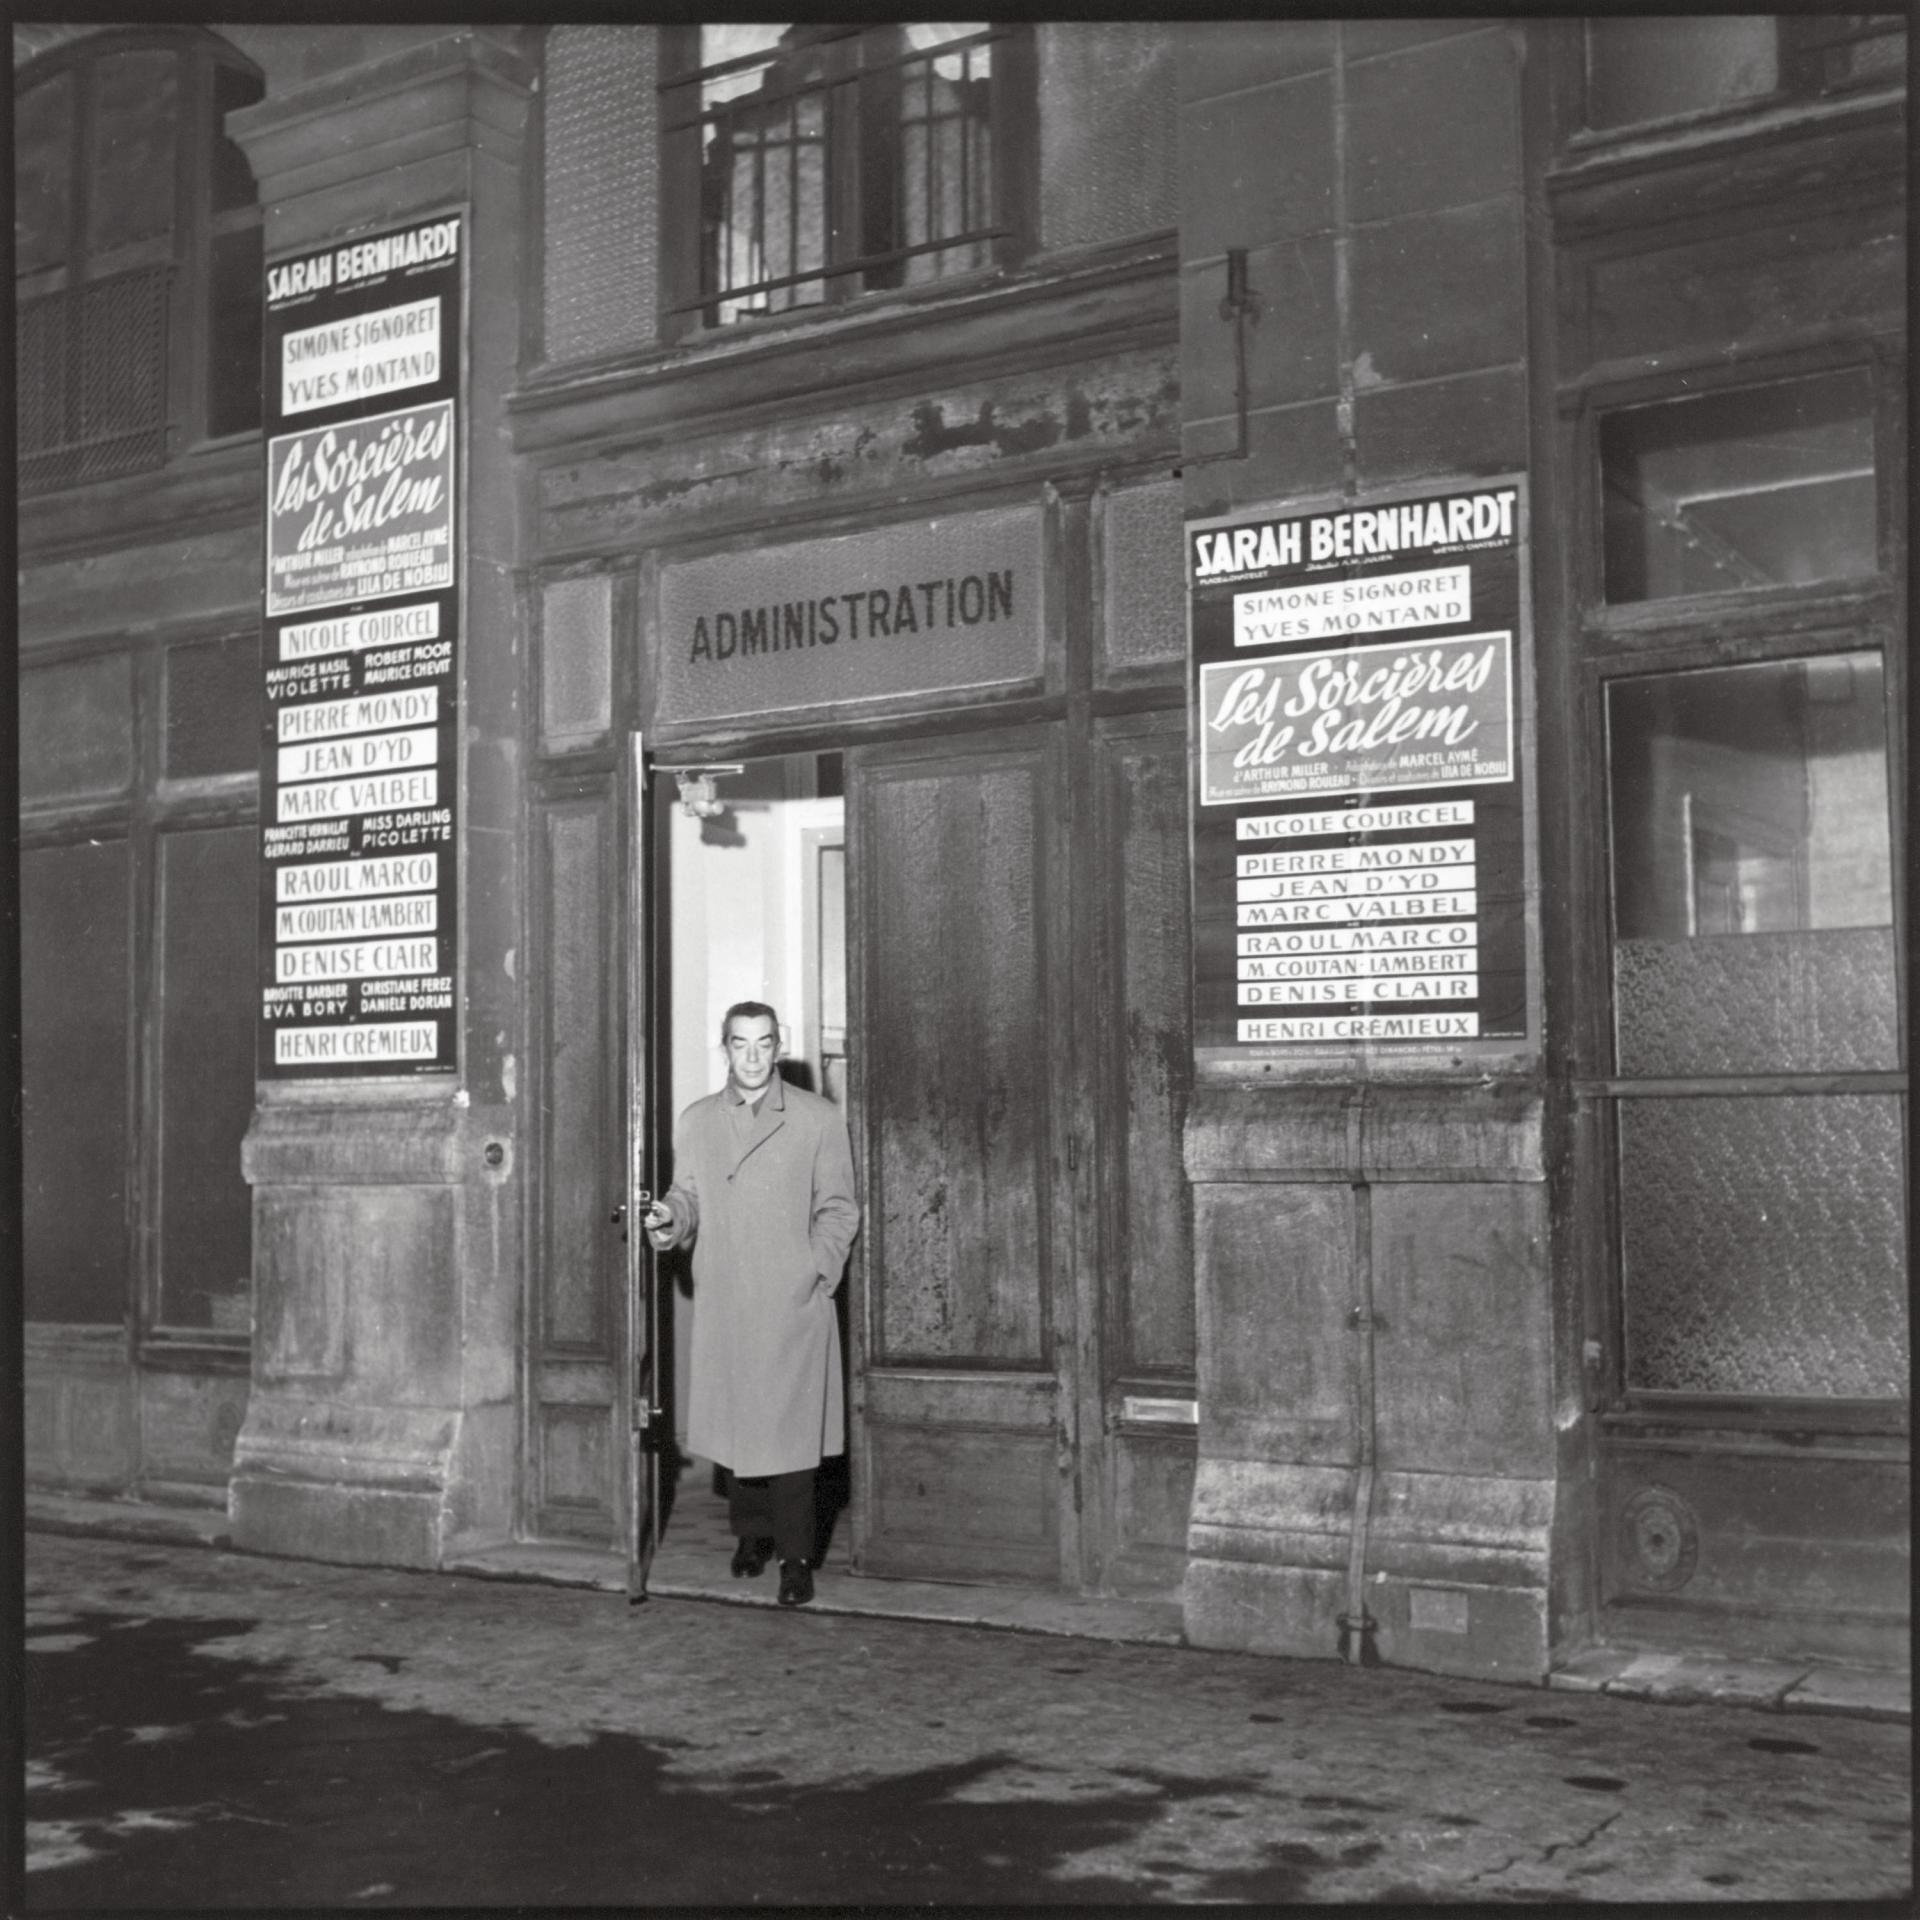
x,y
749,1010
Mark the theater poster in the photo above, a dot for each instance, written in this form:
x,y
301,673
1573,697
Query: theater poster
x,y
1359,834
359,757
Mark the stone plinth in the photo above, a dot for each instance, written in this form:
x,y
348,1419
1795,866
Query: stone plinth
x,y
1376,1427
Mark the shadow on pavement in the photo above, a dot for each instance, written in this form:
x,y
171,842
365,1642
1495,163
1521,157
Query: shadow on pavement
x,y
224,1783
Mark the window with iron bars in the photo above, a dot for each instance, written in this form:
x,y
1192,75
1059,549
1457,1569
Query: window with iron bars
x,y
137,255
811,164
1652,67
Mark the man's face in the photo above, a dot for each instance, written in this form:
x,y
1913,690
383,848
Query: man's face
x,y
753,1044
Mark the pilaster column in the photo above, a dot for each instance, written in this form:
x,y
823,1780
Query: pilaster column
x,y
1389,1373
382,1424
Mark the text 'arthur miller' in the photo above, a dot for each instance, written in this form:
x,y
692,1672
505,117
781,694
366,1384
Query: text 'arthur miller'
x,y
874,613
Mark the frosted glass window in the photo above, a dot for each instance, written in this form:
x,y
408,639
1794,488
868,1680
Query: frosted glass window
x,y
1752,871
1762,1236
1764,1246
212,708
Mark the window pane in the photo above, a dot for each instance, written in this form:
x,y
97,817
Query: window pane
x,y
835,146
1763,1245
135,106
1648,69
43,181
1752,877
944,173
734,40
233,333
1832,50
209,882
73,977
233,184
764,180
213,708
1754,487
76,728
123,380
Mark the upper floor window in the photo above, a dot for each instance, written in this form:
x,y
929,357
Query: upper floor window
x,y
1657,67
137,255
826,162
1750,486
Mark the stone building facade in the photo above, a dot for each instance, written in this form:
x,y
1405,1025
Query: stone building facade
x,y
950,338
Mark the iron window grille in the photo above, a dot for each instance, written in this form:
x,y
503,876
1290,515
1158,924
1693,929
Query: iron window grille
x,y
828,162
137,256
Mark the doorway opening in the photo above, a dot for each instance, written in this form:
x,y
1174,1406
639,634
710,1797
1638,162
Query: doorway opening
x,y
990,974
750,865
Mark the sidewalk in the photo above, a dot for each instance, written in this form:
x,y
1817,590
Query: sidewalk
x,y
692,1566
210,1729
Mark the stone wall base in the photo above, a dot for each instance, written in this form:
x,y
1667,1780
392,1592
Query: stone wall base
x,y
327,1480
355,1526
1454,1575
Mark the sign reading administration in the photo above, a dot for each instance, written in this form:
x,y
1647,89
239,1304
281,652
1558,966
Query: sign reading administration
x,y
1359,870
925,607
359,762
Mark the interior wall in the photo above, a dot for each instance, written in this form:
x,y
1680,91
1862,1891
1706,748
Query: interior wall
x,y
736,930
736,917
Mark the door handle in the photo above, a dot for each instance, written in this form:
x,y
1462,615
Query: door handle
x,y
619,1218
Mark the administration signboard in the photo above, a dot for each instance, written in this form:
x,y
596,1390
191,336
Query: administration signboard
x,y
1358,839
359,763
942,605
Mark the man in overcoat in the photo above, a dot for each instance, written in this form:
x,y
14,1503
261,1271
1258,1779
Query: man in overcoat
x,y
763,1187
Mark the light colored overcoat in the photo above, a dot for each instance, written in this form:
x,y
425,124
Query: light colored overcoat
x,y
771,1212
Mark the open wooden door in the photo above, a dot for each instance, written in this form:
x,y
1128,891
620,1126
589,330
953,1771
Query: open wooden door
x,y
644,1371
963,1323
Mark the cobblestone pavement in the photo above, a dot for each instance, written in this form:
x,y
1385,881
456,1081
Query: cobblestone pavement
x,y
212,1730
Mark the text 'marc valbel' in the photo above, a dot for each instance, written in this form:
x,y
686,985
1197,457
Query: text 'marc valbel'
x,y
1359,832
359,771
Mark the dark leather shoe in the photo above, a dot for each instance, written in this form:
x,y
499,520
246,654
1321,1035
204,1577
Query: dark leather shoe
x,y
796,1583
750,1557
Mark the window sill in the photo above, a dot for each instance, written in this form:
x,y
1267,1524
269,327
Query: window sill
x,y
213,486
1839,605
780,357
1589,153
1748,1423
195,1350
1652,173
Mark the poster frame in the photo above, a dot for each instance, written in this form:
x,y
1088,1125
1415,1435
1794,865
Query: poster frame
x,y
1349,1061
449,602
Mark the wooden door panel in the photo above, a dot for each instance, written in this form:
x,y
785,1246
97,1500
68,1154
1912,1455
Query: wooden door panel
x,y
954,1397
957,1067
1144,1405
955,946
964,1504
573,1476
1147,1062
966,1470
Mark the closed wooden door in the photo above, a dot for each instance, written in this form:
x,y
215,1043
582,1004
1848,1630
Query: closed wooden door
x,y
964,1309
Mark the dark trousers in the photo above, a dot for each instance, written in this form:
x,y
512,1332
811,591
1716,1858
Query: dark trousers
x,y
775,1506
